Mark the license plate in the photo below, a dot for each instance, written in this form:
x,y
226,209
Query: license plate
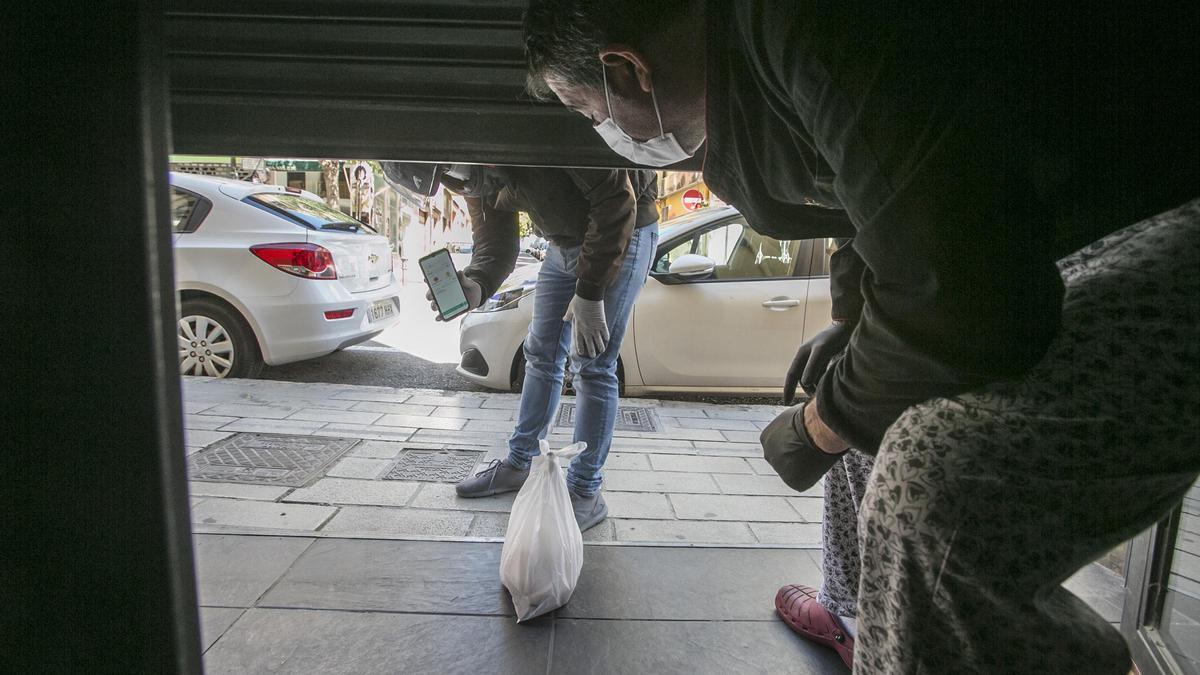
x,y
384,309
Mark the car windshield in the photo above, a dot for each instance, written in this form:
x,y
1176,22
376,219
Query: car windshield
x,y
306,211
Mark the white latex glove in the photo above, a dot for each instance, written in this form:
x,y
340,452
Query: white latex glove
x,y
589,330
472,290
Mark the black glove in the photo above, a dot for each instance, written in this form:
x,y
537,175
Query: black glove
x,y
813,358
789,450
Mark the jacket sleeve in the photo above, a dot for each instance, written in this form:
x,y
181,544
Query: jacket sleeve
x,y
496,236
846,268
612,215
960,288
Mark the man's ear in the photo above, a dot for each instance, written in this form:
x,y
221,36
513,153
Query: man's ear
x,y
627,68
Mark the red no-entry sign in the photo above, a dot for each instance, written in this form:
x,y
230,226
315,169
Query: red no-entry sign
x,y
692,199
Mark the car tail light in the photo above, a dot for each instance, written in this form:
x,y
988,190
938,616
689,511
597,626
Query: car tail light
x,y
303,260
339,314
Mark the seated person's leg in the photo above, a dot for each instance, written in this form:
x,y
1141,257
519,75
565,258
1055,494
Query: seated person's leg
x,y
981,505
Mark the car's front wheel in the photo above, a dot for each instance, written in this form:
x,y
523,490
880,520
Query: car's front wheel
x,y
215,341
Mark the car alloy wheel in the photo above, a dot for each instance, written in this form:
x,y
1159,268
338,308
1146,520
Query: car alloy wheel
x,y
205,347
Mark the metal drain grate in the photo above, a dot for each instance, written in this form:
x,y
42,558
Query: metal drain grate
x,y
267,459
629,418
434,466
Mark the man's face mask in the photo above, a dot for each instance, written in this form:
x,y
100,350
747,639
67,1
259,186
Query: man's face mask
x,y
659,151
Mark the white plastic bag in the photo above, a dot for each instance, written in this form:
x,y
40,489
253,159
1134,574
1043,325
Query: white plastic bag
x,y
543,548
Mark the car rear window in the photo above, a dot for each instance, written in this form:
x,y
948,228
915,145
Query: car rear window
x,y
305,211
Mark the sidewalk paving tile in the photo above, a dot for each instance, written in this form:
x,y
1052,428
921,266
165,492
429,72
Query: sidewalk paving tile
x,y
364,431
214,621
203,438
1100,588
674,434
743,484
233,571
374,520
445,423
809,508
362,492
677,410
206,422
492,426
495,525
510,402
273,426
796,534
359,467
442,496
377,449
394,408
733,413
699,464
194,406
733,507
691,531
457,438
646,505
659,481
353,643
328,415
694,647
474,413
395,576
262,493
302,403
761,466
447,401
729,448
365,394
488,525
266,515
669,583
627,461
661,446
264,412
742,436
710,423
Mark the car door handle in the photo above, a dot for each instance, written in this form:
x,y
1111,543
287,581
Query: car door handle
x,y
780,304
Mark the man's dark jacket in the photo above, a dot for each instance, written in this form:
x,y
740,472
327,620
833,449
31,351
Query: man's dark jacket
x,y
597,209
965,147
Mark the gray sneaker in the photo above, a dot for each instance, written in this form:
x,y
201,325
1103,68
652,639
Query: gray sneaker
x,y
589,511
496,479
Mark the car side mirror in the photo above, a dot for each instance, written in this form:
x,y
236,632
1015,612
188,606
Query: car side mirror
x,y
689,267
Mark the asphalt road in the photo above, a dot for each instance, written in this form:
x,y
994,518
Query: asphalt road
x,y
374,366
380,366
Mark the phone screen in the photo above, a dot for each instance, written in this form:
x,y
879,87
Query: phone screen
x,y
442,279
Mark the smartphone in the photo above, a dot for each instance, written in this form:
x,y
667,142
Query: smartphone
x,y
442,279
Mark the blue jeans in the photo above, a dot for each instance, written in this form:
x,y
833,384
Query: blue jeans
x,y
546,351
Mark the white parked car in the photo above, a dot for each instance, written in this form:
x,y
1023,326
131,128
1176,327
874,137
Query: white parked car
x,y
723,311
267,274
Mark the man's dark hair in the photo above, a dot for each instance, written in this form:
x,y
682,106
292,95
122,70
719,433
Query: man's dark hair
x,y
563,38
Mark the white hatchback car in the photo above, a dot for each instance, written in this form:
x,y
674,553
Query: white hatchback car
x,y
271,274
724,310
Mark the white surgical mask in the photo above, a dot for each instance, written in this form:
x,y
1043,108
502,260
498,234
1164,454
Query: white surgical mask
x,y
659,151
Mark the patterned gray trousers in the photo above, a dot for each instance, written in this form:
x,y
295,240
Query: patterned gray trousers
x,y
980,505
845,485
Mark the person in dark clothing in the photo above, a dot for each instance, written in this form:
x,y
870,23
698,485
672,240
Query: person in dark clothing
x,y
603,230
968,147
